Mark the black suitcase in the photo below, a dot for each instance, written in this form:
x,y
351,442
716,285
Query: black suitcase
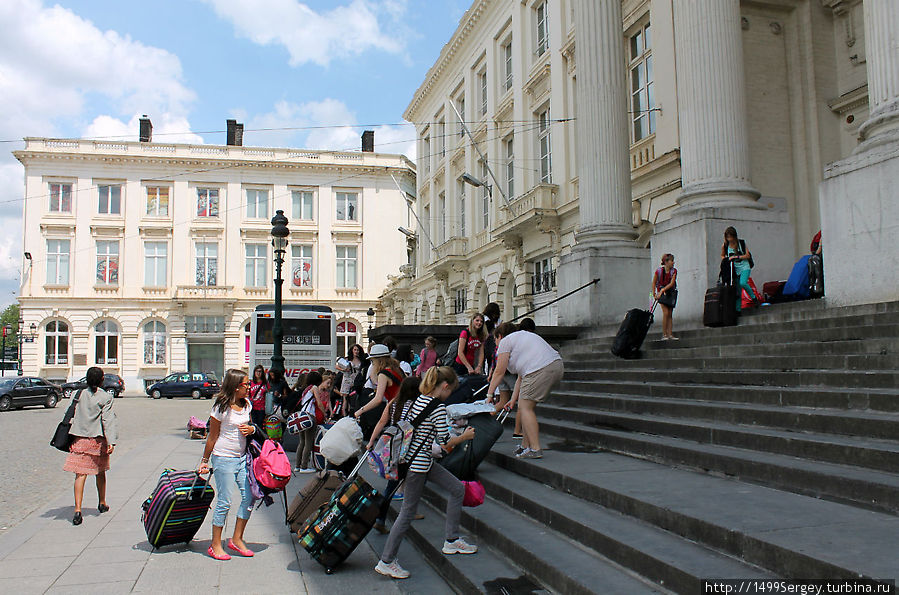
x,y
177,508
468,390
464,460
632,332
720,308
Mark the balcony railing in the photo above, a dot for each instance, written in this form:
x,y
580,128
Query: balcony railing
x,y
204,291
539,200
543,282
453,248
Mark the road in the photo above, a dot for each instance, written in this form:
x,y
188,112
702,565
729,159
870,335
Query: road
x,y
31,474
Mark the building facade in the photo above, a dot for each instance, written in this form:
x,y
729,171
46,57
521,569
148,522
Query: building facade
x,y
145,258
669,122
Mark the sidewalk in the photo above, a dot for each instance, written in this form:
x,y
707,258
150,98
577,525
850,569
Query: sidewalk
x,y
109,553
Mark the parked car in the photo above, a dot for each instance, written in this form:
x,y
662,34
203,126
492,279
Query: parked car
x,y
112,383
195,384
28,390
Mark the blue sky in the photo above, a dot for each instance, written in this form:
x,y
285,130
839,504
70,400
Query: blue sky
x,y
90,68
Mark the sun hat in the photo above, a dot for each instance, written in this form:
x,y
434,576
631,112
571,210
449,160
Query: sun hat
x,y
379,350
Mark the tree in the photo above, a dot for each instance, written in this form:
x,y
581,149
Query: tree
x,y
10,316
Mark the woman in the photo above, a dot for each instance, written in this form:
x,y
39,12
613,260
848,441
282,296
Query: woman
x,y
470,353
258,388
735,251
539,369
438,383
94,432
428,357
405,357
664,289
387,375
351,367
316,402
225,456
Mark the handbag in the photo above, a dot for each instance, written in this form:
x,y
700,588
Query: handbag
x,y
61,438
299,421
669,298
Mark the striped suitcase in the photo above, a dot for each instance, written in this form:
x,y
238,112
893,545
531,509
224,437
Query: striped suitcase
x,y
177,508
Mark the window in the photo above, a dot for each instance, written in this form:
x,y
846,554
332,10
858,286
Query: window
x,y
207,263
509,145
110,199
56,337
156,264
58,262
301,265
302,201
154,343
482,86
158,201
507,65
542,21
441,138
544,276
640,72
545,142
426,155
426,248
346,267
347,203
346,336
256,265
107,263
207,202
485,196
461,209
460,302
257,204
441,221
106,342
204,324
61,198
461,106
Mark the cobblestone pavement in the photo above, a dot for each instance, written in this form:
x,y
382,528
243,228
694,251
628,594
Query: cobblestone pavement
x,y
31,474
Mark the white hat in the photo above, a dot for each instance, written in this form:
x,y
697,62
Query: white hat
x,y
379,350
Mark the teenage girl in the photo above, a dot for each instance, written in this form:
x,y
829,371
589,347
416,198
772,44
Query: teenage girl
x,y
664,289
470,354
735,250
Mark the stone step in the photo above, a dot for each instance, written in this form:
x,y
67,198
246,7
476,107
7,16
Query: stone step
x,y
827,397
799,432
890,362
813,309
790,535
750,377
848,484
658,555
552,558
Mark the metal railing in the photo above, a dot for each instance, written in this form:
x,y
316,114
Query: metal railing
x,y
543,282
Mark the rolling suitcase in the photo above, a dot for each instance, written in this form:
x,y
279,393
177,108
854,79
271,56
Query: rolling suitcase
x,y
311,496
177,508
464,460
632,332
720,308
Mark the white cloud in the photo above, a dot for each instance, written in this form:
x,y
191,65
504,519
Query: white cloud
x,y
318,37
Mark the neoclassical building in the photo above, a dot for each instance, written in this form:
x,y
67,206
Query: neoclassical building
x,y
617,131
148,257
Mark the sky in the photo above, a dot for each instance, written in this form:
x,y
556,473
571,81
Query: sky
x,y
91,68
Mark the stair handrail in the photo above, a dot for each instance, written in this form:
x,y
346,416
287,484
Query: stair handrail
x,y
561,297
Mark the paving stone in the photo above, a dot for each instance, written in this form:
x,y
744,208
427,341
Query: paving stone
x,y
100,573
44,566
113,588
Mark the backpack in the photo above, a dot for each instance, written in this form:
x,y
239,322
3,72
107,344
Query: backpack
x,y
391,453
271,467
743,250
451,352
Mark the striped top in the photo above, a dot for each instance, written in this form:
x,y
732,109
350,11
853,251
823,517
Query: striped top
x,y
432,429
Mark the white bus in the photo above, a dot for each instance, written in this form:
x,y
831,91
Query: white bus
x,y
310,338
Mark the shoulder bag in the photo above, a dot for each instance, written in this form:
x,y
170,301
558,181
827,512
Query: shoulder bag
x,y
61,437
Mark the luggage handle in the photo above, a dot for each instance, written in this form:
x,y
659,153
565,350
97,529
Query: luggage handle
x,y
503,416
480,389
652,308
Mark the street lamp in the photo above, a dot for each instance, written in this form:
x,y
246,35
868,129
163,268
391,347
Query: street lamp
x,y
370,314
279,242
7,329
20,325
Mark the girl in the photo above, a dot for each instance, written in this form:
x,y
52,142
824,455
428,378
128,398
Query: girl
x,y
258,388
225,455
404,357
94,437
428,357
734,250
664,289
470,354
388,376
438,383
354,363
316,402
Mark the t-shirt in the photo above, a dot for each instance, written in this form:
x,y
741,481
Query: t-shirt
x,y
406,367
349,375
663,277
471,348
257,395
231,443
432,429
528,352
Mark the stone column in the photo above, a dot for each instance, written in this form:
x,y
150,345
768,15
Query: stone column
x,y
712,105
604,175
882,51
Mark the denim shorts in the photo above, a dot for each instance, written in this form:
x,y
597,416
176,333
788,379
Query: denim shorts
x,y
228,471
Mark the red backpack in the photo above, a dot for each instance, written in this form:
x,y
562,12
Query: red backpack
x,y
272,467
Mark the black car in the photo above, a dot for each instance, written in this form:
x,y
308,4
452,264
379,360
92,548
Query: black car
x,y
22,391
195,384
112,383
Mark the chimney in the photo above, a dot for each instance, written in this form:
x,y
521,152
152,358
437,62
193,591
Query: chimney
x,y
234,135
368,141
146,129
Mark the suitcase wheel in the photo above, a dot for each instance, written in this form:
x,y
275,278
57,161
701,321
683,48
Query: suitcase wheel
x,y
329,571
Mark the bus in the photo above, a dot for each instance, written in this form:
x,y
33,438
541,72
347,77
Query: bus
x,y
310,338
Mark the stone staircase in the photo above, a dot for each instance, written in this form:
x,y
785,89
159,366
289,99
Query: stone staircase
x,y
770,449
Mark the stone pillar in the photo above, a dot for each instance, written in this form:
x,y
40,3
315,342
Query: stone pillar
x,y
882,51
605,246
712,105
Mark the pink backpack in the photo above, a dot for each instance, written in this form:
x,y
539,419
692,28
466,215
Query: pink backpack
x,y
272,467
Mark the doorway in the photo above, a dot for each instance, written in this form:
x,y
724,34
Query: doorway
x,y
206,357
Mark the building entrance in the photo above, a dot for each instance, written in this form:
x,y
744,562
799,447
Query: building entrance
x,y
206,357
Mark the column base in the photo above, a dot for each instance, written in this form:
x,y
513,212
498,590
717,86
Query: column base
x,y
624,284
721,193
695,239
881,127
860,226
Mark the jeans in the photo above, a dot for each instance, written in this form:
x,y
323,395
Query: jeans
x,y
304,448
226,471
744,283
415,483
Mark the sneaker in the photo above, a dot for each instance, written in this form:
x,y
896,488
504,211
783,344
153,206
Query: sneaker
x,y
518,450
393,570
664,338
297,470
398,496
310,470
458,547
531,454
673,338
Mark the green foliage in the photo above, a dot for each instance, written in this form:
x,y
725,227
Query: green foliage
x,y
10,316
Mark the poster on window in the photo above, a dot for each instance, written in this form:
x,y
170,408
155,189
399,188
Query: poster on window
x,y
108,271
302,274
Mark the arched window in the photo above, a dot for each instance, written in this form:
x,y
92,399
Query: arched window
x,y
154,343
106,342
57,342
347,336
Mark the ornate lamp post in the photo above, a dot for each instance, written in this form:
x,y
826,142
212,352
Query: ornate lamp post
x,y
370,314
20,326
279,242
7,329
